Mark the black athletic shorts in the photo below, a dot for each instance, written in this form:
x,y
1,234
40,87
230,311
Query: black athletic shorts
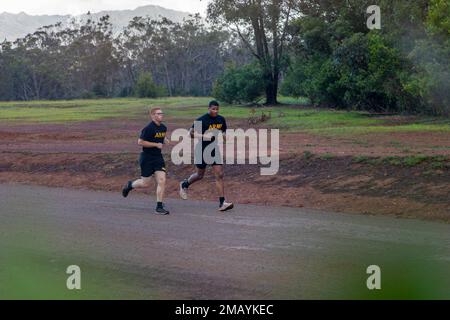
x,y
204,164
150,163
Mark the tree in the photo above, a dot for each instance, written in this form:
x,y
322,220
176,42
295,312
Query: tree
x,y
336,61
431,58
184,57
240,84
84,60
262,25
146,87
438,19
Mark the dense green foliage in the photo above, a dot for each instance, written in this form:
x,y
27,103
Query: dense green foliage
x,y
240,84
146,87
404,67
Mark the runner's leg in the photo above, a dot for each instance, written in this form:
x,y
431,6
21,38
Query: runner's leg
x,y
160,177
218,173
184,185
197,176
143,182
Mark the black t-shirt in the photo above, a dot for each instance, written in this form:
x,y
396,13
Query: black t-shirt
x,y
153,133
210,123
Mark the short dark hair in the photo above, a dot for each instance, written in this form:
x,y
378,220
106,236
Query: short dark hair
x,y
213,103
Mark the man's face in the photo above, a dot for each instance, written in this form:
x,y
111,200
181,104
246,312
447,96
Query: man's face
x,y
214,111
158,115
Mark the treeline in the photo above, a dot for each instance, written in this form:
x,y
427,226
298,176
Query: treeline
x,y
249,50
403,67
85,60
335,60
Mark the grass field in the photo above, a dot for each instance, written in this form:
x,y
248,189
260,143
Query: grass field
x,y
292,116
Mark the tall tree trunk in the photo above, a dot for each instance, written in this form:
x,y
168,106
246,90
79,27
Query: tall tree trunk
x,y
271,93
36,87
271,79
169,87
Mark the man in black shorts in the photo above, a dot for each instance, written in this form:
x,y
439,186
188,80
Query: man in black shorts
x,y
209,121
151,160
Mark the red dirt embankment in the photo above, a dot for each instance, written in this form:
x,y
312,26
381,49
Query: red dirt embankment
x,y
103,155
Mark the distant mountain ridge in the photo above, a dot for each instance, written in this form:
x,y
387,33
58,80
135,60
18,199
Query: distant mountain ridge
x,y
13,26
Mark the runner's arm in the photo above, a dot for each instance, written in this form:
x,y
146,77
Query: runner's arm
x,y
200,136
206,137
148,144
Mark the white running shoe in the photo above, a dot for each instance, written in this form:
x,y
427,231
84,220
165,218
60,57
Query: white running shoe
x,y
226,206
183,191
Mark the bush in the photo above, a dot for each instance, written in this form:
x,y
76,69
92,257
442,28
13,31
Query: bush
x,y
87,95
438,19
362,73
240,84
430,58
126,92
431,81
311,78
146,88
368,73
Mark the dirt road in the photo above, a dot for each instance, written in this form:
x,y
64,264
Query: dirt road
x,y
252,252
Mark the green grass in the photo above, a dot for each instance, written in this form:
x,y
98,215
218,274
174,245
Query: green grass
x,y
307,155
434,162
346,130
292,116
89,110
334,122
327,156
192,112
293,100
361,159
316,119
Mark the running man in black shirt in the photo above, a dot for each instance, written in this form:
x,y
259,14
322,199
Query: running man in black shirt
x,y
151,160
210,120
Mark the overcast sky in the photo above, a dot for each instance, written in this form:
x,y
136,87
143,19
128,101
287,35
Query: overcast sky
x,y
83,6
